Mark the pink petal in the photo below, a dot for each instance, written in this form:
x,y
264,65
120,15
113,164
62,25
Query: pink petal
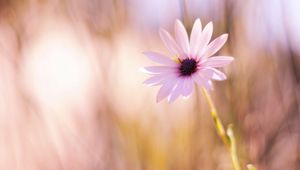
x,y
176,92
187,87
159,58
212,73
182,37
217,74
195,37
158,69
166,89
205,37
154,80
218,61
202,81
158,79
215,45
207,73
170,43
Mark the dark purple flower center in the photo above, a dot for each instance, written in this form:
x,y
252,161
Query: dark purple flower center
x,y
187,67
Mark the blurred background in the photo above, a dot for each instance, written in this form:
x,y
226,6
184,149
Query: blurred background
x,y
72,97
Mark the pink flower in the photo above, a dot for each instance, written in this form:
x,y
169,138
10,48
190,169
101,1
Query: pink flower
x,y
191,61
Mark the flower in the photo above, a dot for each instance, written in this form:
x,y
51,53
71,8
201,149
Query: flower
x,y
191,61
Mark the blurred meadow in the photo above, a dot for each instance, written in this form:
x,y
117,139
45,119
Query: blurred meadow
x,y
72,96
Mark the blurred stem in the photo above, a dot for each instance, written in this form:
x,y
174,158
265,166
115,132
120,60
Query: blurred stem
x,y
218,124
228,139
251,167
232,148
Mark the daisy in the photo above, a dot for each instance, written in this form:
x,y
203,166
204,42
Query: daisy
x,y
191,61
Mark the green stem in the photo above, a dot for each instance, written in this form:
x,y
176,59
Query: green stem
x,y
218,124
251,167
228,139
232,148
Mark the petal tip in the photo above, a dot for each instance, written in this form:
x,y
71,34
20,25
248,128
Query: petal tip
x,y
186,97
197,22
146,83
178,24
178,21
162,32
144,70
225,35
230,59
209,26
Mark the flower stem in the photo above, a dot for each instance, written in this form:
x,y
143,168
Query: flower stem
x,y
228,139
218,124
232,148
251,167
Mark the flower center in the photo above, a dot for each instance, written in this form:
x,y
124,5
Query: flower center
x,y
188,66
